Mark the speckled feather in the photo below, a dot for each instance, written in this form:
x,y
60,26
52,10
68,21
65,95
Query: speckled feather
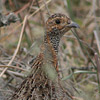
x,y
38,85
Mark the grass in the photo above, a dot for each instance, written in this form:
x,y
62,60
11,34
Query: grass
x,y
77,48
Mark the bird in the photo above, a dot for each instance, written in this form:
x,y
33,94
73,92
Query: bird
x,y
44,82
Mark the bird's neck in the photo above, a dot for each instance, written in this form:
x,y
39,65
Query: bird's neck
x,y
52,42
52,38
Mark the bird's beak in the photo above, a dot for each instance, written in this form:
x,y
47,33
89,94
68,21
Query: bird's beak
x,y
73,25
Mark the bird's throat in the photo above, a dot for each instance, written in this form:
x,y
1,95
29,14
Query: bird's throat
x,y
51,44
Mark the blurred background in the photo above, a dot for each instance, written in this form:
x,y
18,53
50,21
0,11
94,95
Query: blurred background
x,y
79,49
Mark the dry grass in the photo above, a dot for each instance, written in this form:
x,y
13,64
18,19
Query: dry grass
x,y
77,48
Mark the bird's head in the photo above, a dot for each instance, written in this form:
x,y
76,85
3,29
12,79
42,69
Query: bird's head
x,y
59,24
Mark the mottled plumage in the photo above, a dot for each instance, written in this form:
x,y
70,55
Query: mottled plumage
x,y
44,82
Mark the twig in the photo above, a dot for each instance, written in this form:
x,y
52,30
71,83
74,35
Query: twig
x,y
39,9
98,69
82,68
25,33
14,67
46,6
1,4
15,73
81,45
41,15
30,3
18,46
96,32
22,9
82,42
97,39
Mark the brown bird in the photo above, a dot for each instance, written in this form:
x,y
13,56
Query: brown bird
x,y
44,82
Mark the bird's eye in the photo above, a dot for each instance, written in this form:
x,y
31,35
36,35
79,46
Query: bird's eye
x,y
69,21
57,21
